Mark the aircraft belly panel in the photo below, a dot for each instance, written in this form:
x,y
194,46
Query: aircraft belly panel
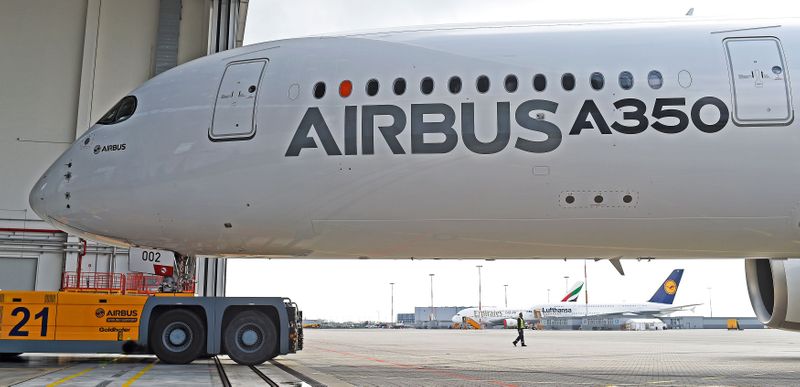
x,y
551,238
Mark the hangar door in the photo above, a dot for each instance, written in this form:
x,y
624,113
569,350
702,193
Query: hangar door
x,y
234,108
760,82
18,273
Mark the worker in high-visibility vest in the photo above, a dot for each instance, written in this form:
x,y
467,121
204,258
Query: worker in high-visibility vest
x,y
520,331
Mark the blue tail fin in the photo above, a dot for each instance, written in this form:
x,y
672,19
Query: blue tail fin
x,y
666,292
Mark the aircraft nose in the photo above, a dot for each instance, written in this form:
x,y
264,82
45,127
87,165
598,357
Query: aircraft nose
x,y
38,197
457,318
44,195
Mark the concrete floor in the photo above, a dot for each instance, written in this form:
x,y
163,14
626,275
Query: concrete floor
x,y
470,358
457,358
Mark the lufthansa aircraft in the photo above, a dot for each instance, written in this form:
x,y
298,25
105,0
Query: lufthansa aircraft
x,y
659,305
607,140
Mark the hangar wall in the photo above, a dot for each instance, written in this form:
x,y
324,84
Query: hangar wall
x,y
37,102
64,64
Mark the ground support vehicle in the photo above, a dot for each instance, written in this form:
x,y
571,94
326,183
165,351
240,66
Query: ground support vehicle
x,y
176,327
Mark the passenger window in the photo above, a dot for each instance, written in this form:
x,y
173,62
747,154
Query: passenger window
x,y
399,86
655,80
626,80
426,86
511,83
482,84
454,85
597,80
319,90
372,87
123,110
568,82
539,82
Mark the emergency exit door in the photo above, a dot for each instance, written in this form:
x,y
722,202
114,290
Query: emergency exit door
x,y
761,92
235,106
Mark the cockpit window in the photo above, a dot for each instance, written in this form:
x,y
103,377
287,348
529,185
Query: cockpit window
x,y
123,110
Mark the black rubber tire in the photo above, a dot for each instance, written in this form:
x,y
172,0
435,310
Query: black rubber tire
x,y
190,325
266,338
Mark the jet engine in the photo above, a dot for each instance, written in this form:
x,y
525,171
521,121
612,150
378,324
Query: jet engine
x,y
774,288
510,323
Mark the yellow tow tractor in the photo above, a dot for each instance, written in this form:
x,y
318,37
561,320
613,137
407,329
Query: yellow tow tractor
x,y
127,313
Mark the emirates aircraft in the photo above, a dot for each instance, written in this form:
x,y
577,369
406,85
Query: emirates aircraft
x,y
606,140
505,316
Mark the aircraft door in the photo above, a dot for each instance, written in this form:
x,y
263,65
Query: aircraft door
x,y
761,92
234,108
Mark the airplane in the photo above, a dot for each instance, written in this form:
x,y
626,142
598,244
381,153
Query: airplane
x,y
659,305
496,316
604,140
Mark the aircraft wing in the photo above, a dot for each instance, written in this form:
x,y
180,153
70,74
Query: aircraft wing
x,y
678,308
626,314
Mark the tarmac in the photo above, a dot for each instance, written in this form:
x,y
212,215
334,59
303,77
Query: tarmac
x,y
409,357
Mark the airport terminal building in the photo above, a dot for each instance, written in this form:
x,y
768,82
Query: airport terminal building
x,y
613,323
438,317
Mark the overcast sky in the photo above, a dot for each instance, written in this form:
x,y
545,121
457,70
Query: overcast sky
x,y
277,19
359,290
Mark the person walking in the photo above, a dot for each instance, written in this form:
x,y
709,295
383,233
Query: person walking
x,y
520,331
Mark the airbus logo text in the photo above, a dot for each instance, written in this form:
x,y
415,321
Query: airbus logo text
x,y
668,115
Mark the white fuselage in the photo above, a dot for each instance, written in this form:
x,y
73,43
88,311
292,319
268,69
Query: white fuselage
x,y
492,316
572,309
520,174
496,316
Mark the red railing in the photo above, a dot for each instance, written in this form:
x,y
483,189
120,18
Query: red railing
x,y
129,283
142,284
31,230
93,282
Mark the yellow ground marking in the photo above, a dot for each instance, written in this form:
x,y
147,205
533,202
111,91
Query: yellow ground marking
x,y
139,374
68,378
